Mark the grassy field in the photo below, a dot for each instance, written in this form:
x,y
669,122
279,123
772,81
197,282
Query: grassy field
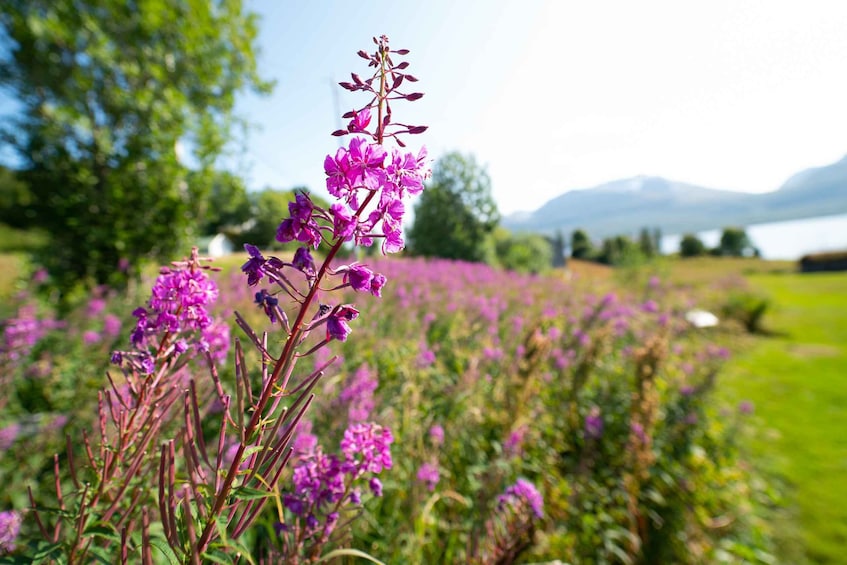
x,y
797,379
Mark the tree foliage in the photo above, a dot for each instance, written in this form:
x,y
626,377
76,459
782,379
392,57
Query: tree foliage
x,y
691,246
735,243
227,205
110,90
522,252
620,250
456,212
581,247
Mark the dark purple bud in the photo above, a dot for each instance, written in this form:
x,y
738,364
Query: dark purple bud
x,y
401,51
414,96
356,79
340,132
363,54
348,86
411,78
402,65
397,82
418,129
348,115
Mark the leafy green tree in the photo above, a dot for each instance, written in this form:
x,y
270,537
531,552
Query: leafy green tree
x,y
522,252
735,243
581,247
15,200
456,212
227,204
110,92
620,251
647,243
691,246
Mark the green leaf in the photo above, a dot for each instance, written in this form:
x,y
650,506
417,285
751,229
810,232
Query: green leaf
x,y
218,556
102,530
249,493
47,552
165,549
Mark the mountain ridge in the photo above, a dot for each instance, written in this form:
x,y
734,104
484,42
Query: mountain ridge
x,y
624,206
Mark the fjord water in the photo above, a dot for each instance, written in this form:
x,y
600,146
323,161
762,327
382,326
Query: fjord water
x,y
789,239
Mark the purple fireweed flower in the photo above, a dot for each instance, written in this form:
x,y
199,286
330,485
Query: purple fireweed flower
x,y
377,283
336,324
111,326
267,302
254,266
514,443
40,276
94,307
428,473
366,448
304,442
376,486
522,494
147,365
436,435
650,306
178,302
360,121
90,337
304,262
343,221
214,339
301,225
745,407
318,480
638,431
426,357
359,394
594,424
366,161
359,277
10,527
8,435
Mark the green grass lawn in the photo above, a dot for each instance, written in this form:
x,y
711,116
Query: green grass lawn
x,y
797,379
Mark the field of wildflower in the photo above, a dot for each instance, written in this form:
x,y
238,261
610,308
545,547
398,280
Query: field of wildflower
x,y
470,385
309,408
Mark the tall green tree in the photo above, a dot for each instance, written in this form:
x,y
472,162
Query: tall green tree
x,y
110,92
735,243
581,247
522,252
691,246
456,212
227,204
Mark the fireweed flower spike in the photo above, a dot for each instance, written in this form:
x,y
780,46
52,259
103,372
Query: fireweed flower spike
x,y
370,181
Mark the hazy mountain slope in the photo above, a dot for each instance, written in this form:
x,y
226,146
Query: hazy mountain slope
x,y
625,206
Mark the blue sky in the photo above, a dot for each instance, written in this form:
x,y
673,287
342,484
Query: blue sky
x,y
554,96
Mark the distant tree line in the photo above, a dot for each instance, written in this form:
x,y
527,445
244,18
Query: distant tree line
x,y
617,250
622,250
734,242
